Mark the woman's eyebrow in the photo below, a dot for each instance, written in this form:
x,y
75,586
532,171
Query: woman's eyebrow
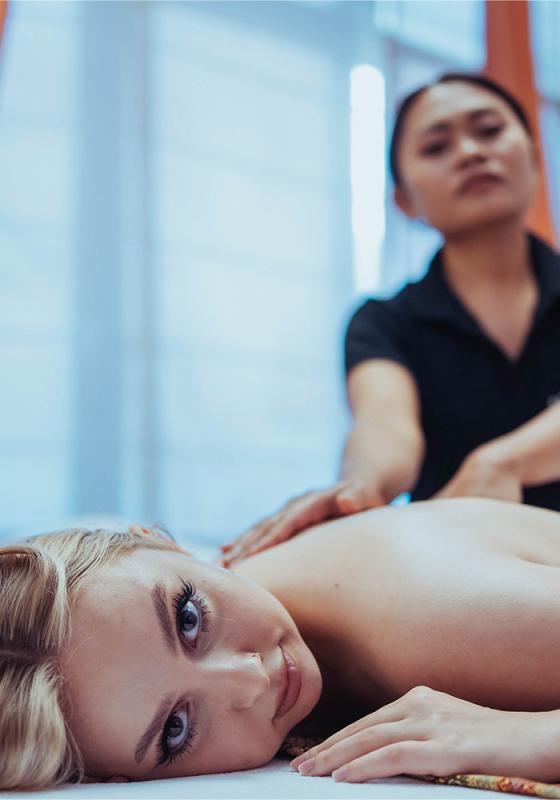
x,y
159,599
157,723
443,126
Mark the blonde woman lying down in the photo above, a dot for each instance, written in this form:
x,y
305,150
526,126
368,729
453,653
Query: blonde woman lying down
x,y
432,631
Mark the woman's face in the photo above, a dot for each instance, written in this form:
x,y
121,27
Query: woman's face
x,y
176,667
465,160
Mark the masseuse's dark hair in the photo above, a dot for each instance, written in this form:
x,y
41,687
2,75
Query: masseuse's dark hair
x,y
464,77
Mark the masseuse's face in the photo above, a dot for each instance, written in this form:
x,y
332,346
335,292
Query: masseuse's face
x,y
465,160
176,667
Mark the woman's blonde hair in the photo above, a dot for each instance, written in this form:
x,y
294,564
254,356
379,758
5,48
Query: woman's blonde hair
x,y
39,579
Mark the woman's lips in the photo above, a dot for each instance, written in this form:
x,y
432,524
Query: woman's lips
x,y
480,181
290,687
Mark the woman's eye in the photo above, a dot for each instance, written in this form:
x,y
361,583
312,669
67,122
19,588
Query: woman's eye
x,y
434,149
176,730
191,614
189,621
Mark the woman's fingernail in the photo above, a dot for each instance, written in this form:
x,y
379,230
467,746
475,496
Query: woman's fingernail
x,y
306,767
340,774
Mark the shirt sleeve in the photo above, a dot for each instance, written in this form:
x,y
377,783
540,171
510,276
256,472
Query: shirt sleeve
x,y
375,331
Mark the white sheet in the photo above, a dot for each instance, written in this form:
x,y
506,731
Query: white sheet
x,y
276,781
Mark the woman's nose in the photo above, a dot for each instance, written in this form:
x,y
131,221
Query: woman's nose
x,y
241,679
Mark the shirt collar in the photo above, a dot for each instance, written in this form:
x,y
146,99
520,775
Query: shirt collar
x,y
546,263
434,300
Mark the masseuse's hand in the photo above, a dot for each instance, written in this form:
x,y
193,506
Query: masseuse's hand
x,y
357,493
485,473
427,732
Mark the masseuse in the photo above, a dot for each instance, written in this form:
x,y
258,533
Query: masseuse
x,y
453,382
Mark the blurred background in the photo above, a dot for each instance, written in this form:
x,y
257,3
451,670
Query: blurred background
x,y
193,199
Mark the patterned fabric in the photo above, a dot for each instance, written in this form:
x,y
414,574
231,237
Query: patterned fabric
x,y
498,783
294,746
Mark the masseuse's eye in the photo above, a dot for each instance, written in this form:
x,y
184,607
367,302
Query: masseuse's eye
x,y
489,131
434,148
191,613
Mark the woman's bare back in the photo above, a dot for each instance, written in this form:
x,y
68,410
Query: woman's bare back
x,y
461,595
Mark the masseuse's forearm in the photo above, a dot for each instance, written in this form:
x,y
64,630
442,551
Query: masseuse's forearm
x,y
533,449
390,451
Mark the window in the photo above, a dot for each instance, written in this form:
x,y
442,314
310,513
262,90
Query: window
x,y
177,258
253,257
38,168
545,29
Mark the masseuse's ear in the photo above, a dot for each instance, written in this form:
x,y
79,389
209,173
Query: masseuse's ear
x,y
403,201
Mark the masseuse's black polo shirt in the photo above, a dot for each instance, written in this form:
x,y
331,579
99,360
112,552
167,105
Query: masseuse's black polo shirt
x,y
470,391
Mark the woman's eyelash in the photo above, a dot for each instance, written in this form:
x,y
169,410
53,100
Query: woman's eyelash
x,y
181,598
167,756
185,595
189,593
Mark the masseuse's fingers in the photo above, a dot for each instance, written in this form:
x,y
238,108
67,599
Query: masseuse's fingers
x,y
359,496
359,744
275,529
245,543
295,516
346,497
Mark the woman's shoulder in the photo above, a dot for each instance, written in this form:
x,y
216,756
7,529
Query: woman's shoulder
x,y
401,304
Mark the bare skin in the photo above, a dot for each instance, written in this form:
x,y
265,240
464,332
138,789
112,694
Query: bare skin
x,y
461,596
416,595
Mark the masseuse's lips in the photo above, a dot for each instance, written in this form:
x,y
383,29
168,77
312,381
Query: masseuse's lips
x,y
290,684
479,180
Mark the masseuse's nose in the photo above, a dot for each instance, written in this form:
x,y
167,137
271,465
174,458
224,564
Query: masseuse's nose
x,y
468,149
239,679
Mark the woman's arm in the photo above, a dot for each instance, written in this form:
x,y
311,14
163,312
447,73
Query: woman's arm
x,y
427,732
382,458
527,456
387,442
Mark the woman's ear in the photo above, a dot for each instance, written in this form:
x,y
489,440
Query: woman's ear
x,y
140,530
403,201
154,533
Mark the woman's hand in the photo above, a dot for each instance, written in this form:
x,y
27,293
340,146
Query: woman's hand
x,y
427,732
485,473
346,497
